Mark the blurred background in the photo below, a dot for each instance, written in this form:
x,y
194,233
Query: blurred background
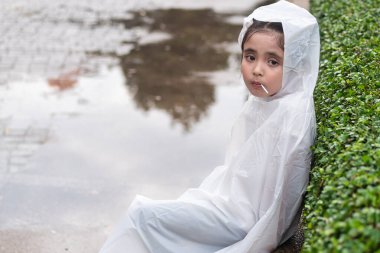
x,y
103,100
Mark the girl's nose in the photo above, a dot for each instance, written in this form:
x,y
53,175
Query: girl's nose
x,y
257,69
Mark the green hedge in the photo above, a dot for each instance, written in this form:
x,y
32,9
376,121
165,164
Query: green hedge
x,y
342,208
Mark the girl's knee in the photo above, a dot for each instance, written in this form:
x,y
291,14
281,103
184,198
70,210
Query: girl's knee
x,y
146,213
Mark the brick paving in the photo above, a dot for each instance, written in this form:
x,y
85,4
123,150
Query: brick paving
x,y
47,38
17,145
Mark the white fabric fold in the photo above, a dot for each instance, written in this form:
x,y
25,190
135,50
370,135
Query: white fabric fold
x,y
251,202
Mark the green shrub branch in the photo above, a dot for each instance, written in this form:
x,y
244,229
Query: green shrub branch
x,y
342,207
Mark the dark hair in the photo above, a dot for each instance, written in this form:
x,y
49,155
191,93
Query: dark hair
x,y
261,26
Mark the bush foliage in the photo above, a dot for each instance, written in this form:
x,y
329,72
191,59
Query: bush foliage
x,y
342,208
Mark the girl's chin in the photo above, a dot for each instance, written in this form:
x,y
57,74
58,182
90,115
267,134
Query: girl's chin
x,y
259,93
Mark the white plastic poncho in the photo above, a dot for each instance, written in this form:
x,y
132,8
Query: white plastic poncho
x,y
252,202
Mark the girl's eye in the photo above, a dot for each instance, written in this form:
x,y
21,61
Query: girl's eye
x,y
250,58
273,62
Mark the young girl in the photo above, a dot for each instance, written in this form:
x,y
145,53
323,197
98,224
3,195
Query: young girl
x,y
252,202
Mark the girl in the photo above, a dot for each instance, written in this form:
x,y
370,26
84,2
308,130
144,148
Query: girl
x,y
252,202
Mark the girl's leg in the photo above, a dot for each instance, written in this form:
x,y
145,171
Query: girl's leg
x,y
184,227
124,239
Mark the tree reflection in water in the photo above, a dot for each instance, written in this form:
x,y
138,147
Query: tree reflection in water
x,y
163,75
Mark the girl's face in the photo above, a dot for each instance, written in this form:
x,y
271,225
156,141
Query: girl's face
x,y
262,64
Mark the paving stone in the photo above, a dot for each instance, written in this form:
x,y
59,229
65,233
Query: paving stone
x,y
13,168
15,131
18,161
4,155
28,148
23,153
12,140
32,33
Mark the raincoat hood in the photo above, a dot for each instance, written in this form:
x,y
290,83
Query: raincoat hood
x,y
301,52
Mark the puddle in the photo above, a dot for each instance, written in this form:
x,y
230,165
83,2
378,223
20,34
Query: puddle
x,y
102,151
76,133
164,76
154,122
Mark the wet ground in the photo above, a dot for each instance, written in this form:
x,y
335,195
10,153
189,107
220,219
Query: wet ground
x,y
103,100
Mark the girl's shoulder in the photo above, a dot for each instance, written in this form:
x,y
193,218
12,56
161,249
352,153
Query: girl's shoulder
x,y
295,117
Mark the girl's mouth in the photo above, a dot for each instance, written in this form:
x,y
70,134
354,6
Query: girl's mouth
x,y
261,85
256,83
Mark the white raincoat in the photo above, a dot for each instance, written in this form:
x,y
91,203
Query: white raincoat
x,y
252,202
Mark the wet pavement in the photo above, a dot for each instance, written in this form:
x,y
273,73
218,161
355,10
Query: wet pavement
x,y
103,100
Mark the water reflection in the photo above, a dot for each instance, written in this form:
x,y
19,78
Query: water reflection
x,y
163,75
64,81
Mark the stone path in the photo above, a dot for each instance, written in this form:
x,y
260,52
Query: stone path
x,y
53,37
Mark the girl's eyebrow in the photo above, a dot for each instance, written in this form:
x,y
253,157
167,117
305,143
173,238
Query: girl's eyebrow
x,y
272,54
249,50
